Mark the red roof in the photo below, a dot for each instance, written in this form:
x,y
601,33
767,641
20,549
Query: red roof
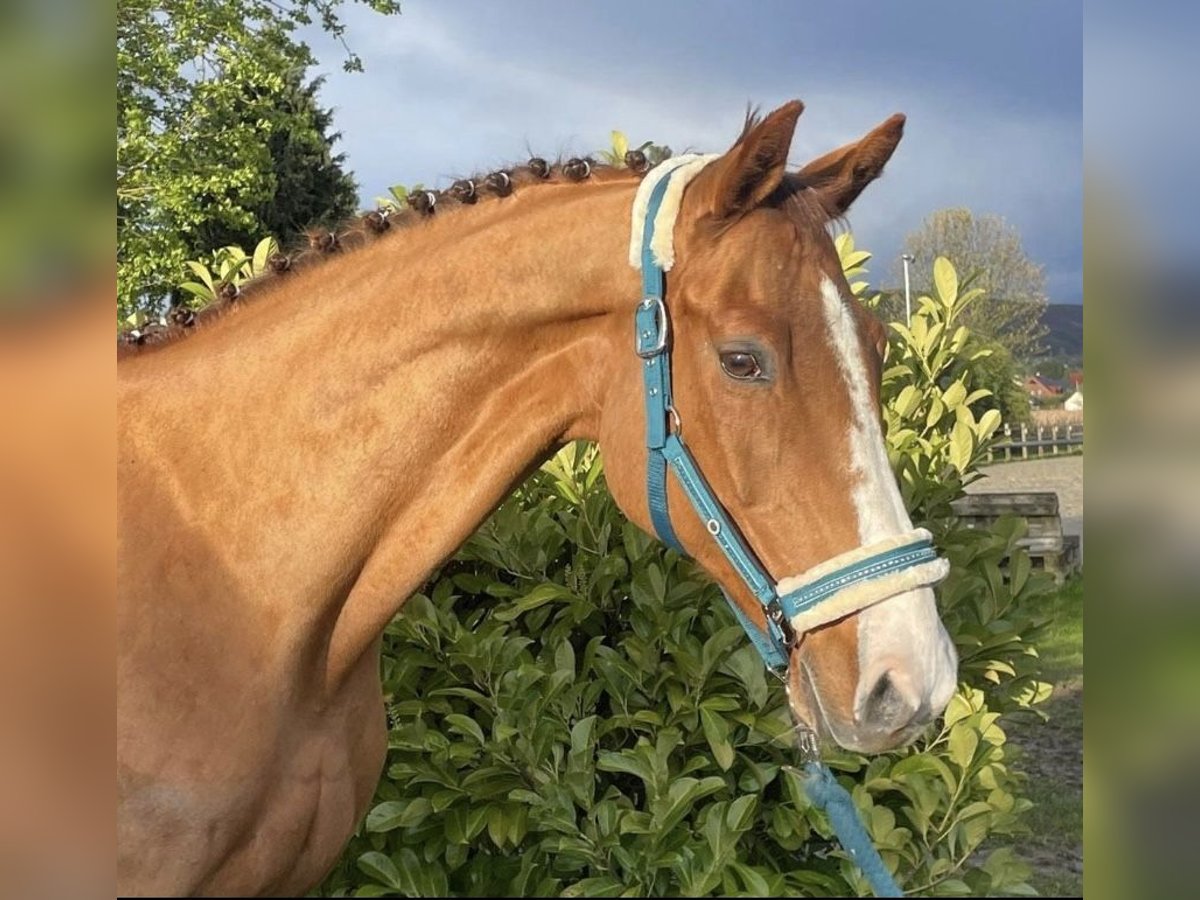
x,y
1043,386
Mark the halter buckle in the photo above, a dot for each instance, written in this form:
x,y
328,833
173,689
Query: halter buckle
x,y
651,337
675,423
780,620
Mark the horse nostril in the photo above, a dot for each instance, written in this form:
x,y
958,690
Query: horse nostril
x,y
887,707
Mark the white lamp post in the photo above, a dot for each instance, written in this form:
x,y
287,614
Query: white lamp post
x,y
907,258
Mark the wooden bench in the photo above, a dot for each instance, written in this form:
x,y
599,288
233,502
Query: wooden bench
x,y
1048,548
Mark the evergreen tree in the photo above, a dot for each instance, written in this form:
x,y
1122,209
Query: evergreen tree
x,y
1000,374
213,125
306,184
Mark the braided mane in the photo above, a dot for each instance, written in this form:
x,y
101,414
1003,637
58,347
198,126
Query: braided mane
x,y
319,244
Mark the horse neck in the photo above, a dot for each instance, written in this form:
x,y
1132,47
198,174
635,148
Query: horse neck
x,y
349,434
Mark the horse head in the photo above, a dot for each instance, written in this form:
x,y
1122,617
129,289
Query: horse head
x,y
775,372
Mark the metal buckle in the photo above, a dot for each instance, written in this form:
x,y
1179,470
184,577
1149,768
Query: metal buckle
x,y
676,423
809,746
662,325
780,672
776,615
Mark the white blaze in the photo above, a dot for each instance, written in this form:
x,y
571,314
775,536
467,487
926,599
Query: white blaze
x,y
881,512
901,636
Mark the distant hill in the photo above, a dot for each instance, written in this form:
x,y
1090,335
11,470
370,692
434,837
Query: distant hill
x,y
1065,335
1063,321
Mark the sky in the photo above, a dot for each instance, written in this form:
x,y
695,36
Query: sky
x,y
993,93
1142,69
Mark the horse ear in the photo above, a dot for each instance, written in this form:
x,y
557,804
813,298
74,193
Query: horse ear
x,y
839,177
755,166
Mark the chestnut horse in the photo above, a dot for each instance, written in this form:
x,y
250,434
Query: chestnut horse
x,y
297,467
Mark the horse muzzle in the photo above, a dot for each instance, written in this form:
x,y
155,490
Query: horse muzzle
x,y
907,672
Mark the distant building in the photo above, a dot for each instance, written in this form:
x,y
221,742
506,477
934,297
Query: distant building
x,y
1042,388
1074,403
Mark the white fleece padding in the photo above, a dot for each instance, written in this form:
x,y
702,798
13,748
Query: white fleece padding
x,y
685,167
862,594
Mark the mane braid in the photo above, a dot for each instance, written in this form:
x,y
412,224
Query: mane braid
x,y
318,244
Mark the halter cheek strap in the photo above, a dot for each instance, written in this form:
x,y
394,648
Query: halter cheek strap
x,y
837,587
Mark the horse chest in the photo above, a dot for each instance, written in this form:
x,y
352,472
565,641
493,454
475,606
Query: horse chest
x,y
302,824
273,823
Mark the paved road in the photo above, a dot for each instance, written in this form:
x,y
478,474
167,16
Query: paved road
x,y
1061,474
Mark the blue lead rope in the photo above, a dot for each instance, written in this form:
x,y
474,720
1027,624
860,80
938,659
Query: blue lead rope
x,y
825,793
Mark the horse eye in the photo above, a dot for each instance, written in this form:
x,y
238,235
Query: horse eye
x,y
741,365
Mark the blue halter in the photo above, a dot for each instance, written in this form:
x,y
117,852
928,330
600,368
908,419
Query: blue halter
x,y
667,449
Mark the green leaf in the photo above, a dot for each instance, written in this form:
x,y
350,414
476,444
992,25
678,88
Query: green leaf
x,y
681,797
945,280
658,585
746,664
963,742
970,296
854,259
581,734
988,423
518,824
599,886
740,815
262,252
497,826
925,763
393,814
961,446
620,145
376,865
963,414
374,890
625,761
716,732
718,646
952,887
907,401
937,409
197,290
754,883
539,596
385,816
1019,568
882,823
466,726
202,272
564,658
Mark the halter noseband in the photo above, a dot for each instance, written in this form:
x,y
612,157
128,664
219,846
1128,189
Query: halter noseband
x,y
842,585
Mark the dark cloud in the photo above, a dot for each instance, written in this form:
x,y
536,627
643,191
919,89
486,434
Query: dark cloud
x,y
993,93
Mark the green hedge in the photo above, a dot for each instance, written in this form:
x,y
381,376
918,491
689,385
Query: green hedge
x,y
574,711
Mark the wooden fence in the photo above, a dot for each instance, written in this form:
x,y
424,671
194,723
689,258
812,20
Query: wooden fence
x,y
1033,441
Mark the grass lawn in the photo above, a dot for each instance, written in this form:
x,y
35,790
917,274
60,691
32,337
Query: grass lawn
x,y
1052,754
